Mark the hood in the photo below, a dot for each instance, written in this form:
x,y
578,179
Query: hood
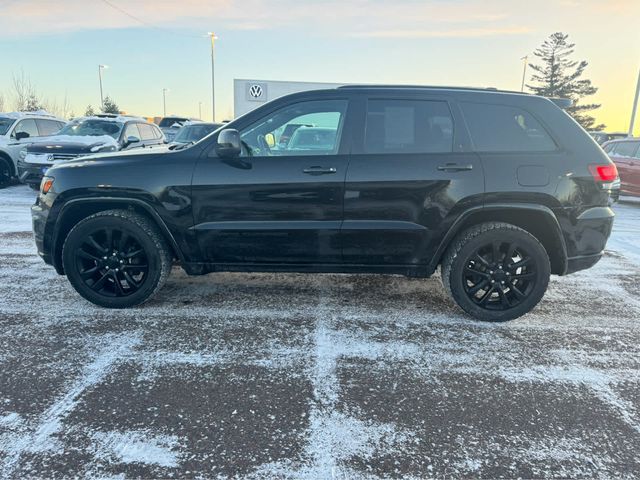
x,y
71,144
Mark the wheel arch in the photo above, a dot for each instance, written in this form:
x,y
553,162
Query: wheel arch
x,y
84,207
5,157
538,220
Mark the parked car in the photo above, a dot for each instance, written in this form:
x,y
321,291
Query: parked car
x,y
171,125
602,137
17,130
194,132
498,189
86,136
626,155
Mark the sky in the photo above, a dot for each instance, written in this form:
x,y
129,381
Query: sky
x,y
154,44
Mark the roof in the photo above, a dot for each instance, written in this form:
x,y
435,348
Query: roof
x,y
37,113
111,117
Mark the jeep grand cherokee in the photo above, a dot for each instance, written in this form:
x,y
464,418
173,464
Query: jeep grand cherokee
x,y
498,189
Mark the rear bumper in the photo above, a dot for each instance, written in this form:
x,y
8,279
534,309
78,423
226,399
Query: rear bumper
x,y
39,216
586,231
575,264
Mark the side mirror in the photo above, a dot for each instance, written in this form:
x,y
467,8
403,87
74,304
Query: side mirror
x,y
229,144
21,135
132,140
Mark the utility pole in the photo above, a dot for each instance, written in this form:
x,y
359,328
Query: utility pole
x,y
213,79
164,100
635,107
200,110
100,68
524,71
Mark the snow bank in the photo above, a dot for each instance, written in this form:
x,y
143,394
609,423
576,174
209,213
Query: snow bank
x,y
82,139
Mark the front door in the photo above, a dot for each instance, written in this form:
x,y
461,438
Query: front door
x,y
281,201
407,178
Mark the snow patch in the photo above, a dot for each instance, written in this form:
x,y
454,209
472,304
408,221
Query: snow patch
x,y
139,446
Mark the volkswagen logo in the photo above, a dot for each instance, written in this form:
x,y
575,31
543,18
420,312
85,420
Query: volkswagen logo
x,y
255,91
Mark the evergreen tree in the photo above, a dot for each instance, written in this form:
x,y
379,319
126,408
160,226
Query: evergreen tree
x,y
557,75
110,106
33,104
89,111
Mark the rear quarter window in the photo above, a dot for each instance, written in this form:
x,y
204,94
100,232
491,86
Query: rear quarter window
x,y
505,128
624,149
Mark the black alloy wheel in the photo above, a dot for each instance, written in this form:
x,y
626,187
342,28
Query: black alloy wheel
x,y
496,271
116,258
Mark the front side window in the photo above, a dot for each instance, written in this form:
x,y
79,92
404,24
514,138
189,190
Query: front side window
x,y
306,128
504,128
27,126
408,126
48,127
146,132
92,128
131,130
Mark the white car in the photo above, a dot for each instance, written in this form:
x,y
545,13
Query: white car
x,y
17,130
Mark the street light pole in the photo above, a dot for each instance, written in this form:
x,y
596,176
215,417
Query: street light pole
x,y
635,107
213,79
164,101
524,71
100,68
200,110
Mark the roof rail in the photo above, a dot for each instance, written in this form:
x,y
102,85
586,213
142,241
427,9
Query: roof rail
x,y
427,87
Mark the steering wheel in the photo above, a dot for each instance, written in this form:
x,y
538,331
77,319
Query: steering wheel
x,y
264,146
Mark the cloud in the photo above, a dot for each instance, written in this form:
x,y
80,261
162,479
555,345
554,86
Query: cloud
x,y
454,33
463,18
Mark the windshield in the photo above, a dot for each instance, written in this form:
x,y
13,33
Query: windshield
x,y
193,133
93,128
5,124
169,121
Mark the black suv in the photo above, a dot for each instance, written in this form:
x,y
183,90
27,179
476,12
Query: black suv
x,y
499,189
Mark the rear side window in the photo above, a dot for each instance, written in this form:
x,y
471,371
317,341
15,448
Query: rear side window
x,y
624,149
408,126
503,128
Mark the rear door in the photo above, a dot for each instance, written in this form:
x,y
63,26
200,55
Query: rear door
x,y
409,176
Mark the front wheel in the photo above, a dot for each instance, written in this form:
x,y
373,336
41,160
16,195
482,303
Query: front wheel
x,y
496,271
116,259
5,173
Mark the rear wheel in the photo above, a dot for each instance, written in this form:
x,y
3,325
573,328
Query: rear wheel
x,y
116,259
496,271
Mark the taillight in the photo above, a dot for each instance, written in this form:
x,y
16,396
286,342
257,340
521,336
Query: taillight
x,y
604,173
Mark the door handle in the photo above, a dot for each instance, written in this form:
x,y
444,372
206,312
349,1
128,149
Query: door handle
x,y
454,167
319,170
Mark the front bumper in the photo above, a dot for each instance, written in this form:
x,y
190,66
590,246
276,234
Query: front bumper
x,y
39,217
32,173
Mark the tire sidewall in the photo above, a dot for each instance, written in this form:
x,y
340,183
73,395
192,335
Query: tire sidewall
x,y
539,257
74,241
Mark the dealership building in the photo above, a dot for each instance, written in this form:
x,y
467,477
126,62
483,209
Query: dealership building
x,y
250,94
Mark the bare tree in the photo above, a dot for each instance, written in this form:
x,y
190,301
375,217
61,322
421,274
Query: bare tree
x,y
1,103
24,93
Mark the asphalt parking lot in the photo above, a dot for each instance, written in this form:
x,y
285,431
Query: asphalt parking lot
x,y
316,376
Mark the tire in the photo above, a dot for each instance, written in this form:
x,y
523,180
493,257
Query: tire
x,y
487,284
5,172
116,259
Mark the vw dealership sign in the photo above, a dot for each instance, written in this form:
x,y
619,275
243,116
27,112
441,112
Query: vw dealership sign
x,y
256,92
